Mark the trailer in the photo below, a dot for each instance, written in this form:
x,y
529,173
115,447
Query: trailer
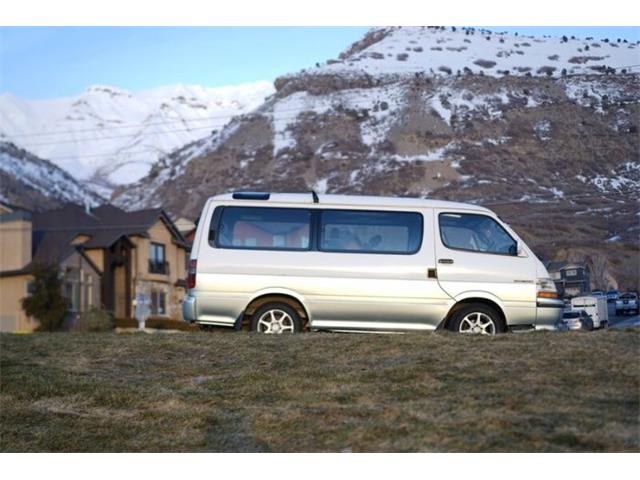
x,y
596,308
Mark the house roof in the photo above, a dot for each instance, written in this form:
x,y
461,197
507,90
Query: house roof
x,y
54,230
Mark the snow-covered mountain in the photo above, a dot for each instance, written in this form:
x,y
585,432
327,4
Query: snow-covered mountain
x,y
555,153
108,136
446,51
36,184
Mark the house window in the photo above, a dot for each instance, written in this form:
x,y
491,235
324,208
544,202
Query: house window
x,y
157,259
72,288
571,272
88,292
158,302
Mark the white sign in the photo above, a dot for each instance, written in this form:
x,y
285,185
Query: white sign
x,y
143,309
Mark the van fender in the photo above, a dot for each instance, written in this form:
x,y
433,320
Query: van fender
x,y
281,291
471,295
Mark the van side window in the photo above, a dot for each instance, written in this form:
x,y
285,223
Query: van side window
x,y
370,232
475,233
264,228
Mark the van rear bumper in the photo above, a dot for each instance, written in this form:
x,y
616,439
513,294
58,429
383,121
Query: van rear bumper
x,y
550,303
549,313
189,308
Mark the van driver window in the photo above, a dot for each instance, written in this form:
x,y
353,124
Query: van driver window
x,y
475,233
265,228
370,232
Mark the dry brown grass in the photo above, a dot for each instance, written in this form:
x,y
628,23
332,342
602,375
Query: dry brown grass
x,y
240,392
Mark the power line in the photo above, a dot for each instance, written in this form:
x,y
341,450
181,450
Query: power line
x,y
273,118
213,117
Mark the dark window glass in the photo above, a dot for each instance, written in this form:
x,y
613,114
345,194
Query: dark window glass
x,y
157,252
370,232
157,263
476,233
265,228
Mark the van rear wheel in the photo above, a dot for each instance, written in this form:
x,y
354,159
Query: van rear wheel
x,y
477,319
276,318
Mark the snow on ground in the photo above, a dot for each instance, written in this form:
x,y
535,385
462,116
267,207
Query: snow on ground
x,y
320,186
448,102
594,92
443,51
437,154
285,112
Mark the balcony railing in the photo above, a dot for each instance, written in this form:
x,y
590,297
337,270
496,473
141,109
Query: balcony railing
x,y
161,268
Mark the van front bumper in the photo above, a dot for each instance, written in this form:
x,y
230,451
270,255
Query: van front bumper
x,y
549,313
189,308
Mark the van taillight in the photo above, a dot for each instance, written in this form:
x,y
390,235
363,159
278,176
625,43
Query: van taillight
x,y
191,274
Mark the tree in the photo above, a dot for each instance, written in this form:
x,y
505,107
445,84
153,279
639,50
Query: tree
x,y
46,303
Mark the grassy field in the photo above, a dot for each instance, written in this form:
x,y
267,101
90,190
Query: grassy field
x,y
238,392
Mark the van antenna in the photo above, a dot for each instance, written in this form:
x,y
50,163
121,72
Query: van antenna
x,y
315,196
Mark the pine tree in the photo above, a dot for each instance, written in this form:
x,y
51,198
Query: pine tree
x,y
46,303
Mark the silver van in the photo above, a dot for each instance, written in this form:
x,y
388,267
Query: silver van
x,y
285,263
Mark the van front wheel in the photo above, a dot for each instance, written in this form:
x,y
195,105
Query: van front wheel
x,y
477,319
276,318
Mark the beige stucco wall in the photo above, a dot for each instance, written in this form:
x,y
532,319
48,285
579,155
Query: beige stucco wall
x,y
96,255
144,282
15,245
12,317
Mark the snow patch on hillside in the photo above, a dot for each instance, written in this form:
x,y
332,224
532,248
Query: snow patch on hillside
x,y
44,177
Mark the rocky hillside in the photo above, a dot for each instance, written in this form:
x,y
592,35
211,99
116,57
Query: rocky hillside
x,y
35,184
108,136
554,152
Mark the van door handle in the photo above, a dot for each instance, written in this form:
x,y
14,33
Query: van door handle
x,y
445,260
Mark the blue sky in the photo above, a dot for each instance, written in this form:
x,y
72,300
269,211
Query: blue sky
x,y
45,62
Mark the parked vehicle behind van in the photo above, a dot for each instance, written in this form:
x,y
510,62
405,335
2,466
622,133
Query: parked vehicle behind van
x,y
596,308
280,263
627,303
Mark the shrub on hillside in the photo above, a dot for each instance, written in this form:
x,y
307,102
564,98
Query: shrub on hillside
x,y
485,63
546,70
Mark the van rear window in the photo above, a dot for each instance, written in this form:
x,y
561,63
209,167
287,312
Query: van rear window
x,y
264,228
370,232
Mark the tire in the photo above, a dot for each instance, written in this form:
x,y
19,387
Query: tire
x,y
276,318
477,318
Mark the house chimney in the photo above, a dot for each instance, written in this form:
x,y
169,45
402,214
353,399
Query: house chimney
x,y
15,240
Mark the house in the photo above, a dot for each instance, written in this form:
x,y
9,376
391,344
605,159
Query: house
x,y
572,279
15,260
187,228
106,256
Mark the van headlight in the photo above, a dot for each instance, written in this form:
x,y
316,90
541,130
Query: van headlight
x,y
547,288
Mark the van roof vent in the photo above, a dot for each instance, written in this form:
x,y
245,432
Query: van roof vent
x,y
251,195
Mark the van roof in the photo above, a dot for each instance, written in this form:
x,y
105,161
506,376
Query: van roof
x,y
356,200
